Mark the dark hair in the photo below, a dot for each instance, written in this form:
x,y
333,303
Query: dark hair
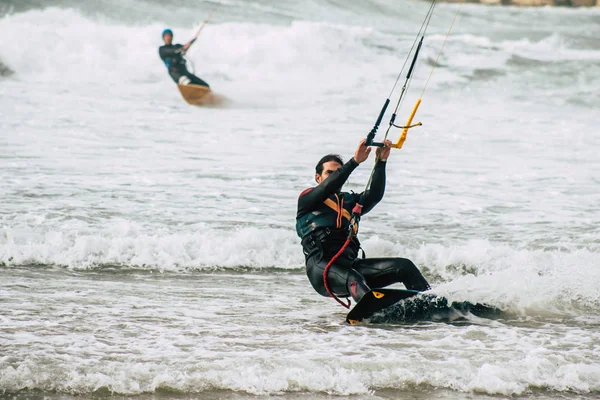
x,y
328,158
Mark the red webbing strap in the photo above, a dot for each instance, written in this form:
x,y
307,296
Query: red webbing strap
x,y
356,212
329,264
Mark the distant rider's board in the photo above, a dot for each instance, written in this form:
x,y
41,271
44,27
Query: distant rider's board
x,y
195,94
396,305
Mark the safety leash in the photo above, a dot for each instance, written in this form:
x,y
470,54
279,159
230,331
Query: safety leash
x,y
353,230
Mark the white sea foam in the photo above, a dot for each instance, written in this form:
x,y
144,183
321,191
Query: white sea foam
x,y
519,280
185,346
129,245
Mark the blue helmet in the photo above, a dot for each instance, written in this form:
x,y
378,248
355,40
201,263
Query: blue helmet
x,y
167,31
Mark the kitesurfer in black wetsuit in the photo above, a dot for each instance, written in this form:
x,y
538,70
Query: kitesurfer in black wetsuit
x,y
172,56
323,223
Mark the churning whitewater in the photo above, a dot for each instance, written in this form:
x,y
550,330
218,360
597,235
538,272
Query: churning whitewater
x,y
147,247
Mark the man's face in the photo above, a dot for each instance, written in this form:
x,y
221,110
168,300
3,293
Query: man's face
x,y
168,38
328,168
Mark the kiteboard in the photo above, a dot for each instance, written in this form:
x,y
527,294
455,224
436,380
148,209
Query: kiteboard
x,y
195,94
397,305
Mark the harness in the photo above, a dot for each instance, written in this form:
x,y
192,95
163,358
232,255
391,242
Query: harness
x,y
338,207
337,232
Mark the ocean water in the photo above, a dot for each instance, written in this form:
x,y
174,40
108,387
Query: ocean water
x,y
147,247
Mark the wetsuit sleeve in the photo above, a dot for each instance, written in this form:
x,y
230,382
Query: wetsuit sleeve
x,y
311,198
375,192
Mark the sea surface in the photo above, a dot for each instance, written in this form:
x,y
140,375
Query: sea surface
x,y
148,249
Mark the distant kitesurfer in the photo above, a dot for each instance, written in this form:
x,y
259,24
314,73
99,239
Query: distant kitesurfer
x,y
173,57
323,223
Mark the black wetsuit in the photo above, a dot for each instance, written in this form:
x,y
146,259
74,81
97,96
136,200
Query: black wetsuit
x,y
349,275
172,56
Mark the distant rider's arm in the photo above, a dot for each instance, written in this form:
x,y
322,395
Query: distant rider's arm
x,y
312,198
186,46
374,194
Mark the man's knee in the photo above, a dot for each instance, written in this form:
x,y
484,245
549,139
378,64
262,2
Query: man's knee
x,y
411,265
